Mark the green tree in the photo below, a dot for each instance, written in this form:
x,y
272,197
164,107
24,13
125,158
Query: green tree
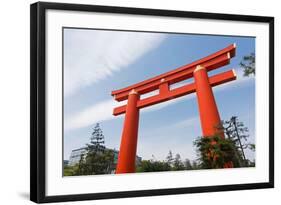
x,y
97,140
153,166
187,164
169,158
195,165
237,132
108,157
70,170
249,64
98,159
81,167
214,152
178,165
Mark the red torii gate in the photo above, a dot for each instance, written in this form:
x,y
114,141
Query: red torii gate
x,y
209,115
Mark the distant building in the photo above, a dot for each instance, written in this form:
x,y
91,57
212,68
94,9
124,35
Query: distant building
x,y
65,162
75,157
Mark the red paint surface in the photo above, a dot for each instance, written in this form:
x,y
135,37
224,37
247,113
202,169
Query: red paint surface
x,y
209,114
165,94
128,147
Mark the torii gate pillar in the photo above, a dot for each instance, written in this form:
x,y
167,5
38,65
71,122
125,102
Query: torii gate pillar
x,y
209,114
128,147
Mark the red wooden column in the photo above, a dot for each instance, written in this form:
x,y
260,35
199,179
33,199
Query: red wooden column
x,y
209,114
128,147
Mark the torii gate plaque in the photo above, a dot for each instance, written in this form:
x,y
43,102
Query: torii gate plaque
x,y
209,115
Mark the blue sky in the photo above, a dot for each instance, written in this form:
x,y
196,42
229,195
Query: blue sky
x,y
97,62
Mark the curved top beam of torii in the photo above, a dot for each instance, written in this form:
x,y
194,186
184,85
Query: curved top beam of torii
x,y
162,82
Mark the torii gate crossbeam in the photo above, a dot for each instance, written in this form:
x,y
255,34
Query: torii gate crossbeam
x,y
209,115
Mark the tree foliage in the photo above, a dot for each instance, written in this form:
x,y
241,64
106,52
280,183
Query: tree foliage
x,y
187,164
237,132
178,164
170,158
170,164
70,170
153,166
98,159
214,152
217,152
97,141
249,64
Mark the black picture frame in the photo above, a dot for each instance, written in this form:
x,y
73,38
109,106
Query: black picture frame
x,y
38,100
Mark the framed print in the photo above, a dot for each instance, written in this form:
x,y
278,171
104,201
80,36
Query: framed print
x,y
129,102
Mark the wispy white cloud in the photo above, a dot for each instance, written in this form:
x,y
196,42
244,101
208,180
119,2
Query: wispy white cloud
x,y
187,122
99,112
91,56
